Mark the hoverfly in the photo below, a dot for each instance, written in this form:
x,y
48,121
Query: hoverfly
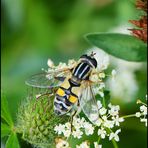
x,y
73,87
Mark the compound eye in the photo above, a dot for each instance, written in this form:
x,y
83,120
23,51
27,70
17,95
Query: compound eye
x,y
84,56
61,92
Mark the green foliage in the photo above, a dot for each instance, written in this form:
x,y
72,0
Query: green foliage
x,y
12,141
122,46
8,129
5,114
5,130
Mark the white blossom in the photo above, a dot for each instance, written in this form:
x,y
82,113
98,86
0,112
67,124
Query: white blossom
x,y
61,66
89,129
71,63
99,104
101,75
114,72
96,145
50,63
115,135
143,109
108,123
59,128
99,89
77,133
94,78
143,112
83,145
117,120
101,85
138,114
102,133
102,111
78,123
101,93
144,120
62,144
99,122
114,109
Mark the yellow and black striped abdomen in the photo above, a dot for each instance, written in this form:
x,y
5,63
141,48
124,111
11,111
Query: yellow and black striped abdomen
x,y
66,96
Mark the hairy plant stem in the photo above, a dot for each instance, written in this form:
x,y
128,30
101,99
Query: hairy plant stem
x,y
128,116
99,139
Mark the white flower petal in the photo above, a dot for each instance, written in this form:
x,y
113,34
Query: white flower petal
x,y
50,63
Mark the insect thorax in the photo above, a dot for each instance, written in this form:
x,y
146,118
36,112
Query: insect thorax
x,y
84,67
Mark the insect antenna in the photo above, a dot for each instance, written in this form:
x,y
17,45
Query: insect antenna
x,y
92,54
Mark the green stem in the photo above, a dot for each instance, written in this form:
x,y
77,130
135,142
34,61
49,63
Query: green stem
x,y
114,143
104,102
140,102
144,103
99,139
128,116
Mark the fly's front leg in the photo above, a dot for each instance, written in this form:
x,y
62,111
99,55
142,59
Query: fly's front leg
x,y
40,98
72,120
73,115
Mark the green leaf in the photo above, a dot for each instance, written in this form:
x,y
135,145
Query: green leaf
x,y
12,141
5,114
5,130
122,46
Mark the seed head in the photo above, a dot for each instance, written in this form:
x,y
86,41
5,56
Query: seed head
x,y
36,121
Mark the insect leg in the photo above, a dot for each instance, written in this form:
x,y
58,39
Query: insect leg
x,y
41,97
60,78
72,120
74,114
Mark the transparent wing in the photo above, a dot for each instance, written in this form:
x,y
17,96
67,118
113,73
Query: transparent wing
x,y
47,80
88,104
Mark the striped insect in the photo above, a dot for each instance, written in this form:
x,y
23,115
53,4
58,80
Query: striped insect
x,y
74,89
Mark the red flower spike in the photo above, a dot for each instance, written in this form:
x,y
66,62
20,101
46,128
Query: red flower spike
x,y
141,31
141,4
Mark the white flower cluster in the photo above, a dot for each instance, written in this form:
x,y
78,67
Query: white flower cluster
x,y
71,64
97,77
84,144
60,143
142,114
79,126
109,118
96,145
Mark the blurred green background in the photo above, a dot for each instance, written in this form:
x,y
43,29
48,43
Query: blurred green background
x,y
33,31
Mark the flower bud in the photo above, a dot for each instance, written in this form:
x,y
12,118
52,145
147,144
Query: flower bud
x,y
36,121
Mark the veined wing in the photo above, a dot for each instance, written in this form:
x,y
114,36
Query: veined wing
x,y
47,79
88,104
